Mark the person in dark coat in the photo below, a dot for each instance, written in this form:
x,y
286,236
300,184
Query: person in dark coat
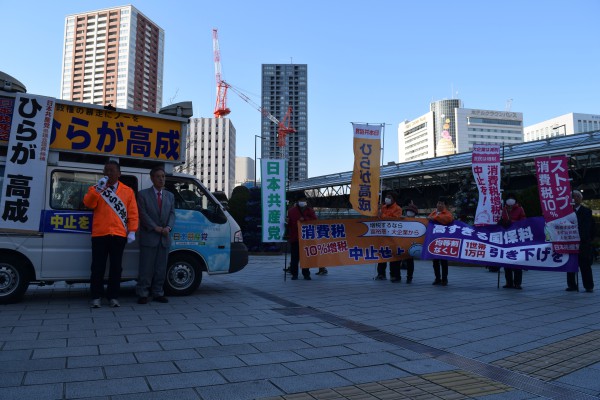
x,y
512,212
585,223
300,212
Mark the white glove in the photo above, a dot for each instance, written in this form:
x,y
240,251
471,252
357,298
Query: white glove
x,y
102,183
130,237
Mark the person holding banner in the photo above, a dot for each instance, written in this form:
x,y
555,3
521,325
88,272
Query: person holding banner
x,y
299,213
585,224
444,217
115,222
512,212
411,211
389,209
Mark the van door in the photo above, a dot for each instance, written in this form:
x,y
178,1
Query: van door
x,y
67,226
200,224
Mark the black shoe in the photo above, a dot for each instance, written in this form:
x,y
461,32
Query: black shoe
x,y
395,280
142,300
380,278
294,277
571,289
409,280
507,286
161,299
437,282
589,290
444,282
307,278
518,287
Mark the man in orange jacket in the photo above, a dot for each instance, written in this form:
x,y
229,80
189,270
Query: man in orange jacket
x,y
114,225
444,217
389,210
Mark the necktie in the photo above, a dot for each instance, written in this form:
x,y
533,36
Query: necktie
x,y
159,198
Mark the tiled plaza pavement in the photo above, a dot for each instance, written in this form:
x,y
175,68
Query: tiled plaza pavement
x,y
252,335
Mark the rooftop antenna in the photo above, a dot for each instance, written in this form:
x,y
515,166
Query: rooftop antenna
x,y
508,104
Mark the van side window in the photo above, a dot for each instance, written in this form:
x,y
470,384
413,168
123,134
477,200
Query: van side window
x,y
68,188
191,196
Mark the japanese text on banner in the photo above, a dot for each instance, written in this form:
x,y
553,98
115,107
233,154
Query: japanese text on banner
x,y
364,190
273,175
486,171
555,197
23,191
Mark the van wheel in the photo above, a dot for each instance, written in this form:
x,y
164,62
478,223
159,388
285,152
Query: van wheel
x,y
183,276
14,280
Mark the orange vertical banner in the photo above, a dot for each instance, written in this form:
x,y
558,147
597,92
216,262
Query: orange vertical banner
x,y
364,190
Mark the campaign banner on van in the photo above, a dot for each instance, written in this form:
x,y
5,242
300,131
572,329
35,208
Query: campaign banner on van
x,y
273,175
555,197
364,190
118,133
522,245
486,171
336,242
22,196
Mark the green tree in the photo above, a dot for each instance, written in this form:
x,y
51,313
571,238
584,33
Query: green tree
x,y
238,205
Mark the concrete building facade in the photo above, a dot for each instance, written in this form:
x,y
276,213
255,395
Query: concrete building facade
x,y
210,153
244,170
113,56
448,128
283,86
567,124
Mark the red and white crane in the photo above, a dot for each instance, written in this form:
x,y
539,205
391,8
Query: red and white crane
x,y
221,109
283,128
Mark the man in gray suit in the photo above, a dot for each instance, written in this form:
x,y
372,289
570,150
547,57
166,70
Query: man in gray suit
x,y
157,216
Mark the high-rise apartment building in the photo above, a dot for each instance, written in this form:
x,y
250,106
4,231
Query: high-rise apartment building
x,y
284,86
113,56
567,124
449,129
210,153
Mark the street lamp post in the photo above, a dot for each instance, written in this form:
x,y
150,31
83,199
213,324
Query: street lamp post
x,y
255,137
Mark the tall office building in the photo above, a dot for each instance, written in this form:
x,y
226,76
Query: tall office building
x,y
284,86
113,56
210,153
567,124
449,129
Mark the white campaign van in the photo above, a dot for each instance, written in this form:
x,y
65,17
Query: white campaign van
x,y
52,151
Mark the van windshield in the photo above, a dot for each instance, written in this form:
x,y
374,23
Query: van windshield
x,y
189,195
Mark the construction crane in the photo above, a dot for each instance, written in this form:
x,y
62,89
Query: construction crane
x,y
221,109
283,128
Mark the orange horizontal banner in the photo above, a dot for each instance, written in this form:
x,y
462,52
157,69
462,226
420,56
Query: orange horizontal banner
x,y
336,242
92,130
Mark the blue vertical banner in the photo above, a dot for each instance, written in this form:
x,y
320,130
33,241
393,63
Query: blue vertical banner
x,y
273,184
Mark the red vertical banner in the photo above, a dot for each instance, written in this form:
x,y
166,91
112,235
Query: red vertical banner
x,y
555,197
486,171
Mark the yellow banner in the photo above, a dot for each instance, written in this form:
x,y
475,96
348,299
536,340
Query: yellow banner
x,y
336,242
91,130
364,190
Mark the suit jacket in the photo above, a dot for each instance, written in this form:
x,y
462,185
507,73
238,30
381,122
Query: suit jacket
x,y
585,222
150,217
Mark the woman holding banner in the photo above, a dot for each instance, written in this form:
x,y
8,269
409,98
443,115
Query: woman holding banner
x,y
390,209
512,212
444,217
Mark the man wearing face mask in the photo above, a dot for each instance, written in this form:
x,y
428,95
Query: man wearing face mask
x,y
410,210
299,213
512,212
585,224
389,210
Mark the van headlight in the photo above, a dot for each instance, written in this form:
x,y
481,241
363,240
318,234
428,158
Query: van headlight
x,y
237,237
